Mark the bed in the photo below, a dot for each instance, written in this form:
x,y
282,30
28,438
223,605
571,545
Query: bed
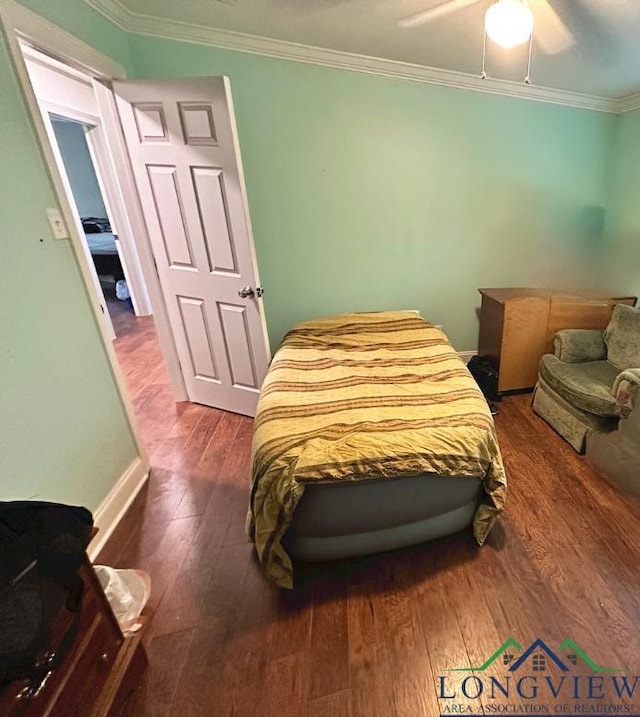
x,y
102,246
370,435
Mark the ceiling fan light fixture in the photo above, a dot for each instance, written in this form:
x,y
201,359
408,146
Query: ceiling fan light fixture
x,y
509,22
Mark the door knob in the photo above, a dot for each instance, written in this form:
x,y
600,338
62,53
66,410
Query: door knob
x,y
248,292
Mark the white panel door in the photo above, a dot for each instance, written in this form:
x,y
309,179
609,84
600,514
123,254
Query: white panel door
x,y
180,136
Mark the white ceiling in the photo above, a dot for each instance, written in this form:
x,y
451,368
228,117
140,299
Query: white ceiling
x,y
605,60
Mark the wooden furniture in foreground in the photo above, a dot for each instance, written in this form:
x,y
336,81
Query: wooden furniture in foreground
x,y
517,326
96,676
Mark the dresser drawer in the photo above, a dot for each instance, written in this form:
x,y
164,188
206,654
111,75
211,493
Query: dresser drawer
x,y
73,686
91,668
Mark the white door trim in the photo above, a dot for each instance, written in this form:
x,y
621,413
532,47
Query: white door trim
x,y
62,110
18,22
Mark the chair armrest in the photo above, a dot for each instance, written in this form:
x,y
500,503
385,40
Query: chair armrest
x,y
626,389
579,345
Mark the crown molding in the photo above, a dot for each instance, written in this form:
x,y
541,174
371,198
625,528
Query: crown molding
x,y
280,49
115,11
166,29
628,104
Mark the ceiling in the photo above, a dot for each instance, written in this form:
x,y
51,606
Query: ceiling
x,y
604,61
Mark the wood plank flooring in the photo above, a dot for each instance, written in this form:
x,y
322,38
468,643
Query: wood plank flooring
x,y
369,637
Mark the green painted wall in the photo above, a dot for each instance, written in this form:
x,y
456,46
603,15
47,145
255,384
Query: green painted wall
x,y
63,432
373,193
622,250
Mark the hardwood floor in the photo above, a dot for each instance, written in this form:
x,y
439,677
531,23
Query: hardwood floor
x,y
115,306
369,637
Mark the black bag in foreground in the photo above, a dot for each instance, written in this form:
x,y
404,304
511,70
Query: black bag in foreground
x,y
42,547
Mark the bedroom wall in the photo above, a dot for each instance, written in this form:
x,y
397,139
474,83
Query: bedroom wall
x,y
79,166
64,435
622,255
371,193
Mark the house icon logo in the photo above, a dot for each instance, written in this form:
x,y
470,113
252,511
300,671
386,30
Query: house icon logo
x,y
539,679
539,657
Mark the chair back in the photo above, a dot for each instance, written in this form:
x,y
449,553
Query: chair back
x,y
622,337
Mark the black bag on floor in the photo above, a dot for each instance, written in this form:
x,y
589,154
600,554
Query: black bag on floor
x,y
485,371
42,547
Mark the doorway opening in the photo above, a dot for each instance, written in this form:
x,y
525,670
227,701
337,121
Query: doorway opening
x,y
99,228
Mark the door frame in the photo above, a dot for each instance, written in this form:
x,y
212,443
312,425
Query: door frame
x,y
19,24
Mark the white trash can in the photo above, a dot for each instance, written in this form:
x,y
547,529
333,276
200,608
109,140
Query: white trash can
x,y
127,592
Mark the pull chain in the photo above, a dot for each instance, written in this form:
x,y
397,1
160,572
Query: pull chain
x,y
483,74
527,79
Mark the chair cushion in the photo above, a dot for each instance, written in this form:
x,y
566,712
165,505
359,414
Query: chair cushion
x,y
587,386
622,337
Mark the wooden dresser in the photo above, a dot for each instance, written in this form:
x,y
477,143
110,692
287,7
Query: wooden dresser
x,y
97,674
517,326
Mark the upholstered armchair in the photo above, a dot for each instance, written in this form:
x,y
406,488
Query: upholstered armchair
x,y
590,386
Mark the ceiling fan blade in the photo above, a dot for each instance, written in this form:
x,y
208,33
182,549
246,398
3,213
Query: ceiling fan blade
x,y
551,34
433,13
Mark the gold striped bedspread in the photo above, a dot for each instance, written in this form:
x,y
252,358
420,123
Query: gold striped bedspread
x,y
362,396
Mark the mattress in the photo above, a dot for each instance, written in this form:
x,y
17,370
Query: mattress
x,y
102,244
361,397
352,518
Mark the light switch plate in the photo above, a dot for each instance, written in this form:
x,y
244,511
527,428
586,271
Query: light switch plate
x,y
58,226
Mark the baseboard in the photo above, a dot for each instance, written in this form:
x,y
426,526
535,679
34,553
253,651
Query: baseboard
x,y
114,506
466,356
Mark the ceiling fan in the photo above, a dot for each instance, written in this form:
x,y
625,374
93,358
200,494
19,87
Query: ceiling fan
x,y
507,22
